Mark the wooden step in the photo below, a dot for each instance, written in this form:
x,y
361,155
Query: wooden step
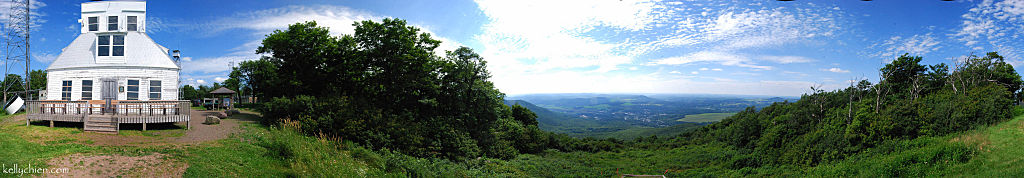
x,y
101,129
91,125
100,121
101,124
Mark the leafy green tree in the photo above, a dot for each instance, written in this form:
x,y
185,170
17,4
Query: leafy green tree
x,y
904,73
38,79
436,106
260,76
14,83
523,115
310,60
189,93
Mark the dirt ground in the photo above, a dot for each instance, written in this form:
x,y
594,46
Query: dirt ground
x,y
153,165
87,165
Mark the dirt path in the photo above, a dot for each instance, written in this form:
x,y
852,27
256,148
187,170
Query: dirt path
x,y
201,132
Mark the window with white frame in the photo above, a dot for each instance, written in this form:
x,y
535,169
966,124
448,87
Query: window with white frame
x,y
94,24
86,89
133,89
110,45
154,90
65,91
132,23
111,23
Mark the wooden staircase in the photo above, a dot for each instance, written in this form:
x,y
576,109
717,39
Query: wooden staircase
x,y
101,124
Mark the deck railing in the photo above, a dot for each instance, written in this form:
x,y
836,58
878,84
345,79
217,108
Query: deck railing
x,y
54,110
126,111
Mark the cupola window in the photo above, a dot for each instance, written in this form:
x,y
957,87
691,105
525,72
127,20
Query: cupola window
x,y
110,45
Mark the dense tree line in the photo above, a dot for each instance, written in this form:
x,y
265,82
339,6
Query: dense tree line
x,y
911,100
385,87
16,83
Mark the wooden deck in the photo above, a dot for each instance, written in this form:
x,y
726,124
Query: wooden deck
x,y
120,111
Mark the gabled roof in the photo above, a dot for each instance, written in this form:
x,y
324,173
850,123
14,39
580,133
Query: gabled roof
x,y
222,90
140,51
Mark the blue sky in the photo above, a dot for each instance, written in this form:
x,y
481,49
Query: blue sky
x,y
604,46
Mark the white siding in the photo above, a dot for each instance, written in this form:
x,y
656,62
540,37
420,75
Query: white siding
x,y
122,9
169,78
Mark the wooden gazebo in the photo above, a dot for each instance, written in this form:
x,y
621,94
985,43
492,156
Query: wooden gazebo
x,y
223,96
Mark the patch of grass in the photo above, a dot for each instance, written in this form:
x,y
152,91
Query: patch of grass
x,y
602,107
18,150
1001,151
994,151
261,152
705,117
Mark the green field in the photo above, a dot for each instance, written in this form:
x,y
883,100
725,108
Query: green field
x,y
706,117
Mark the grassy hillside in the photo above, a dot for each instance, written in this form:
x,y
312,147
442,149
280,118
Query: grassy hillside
x,y
992,151
552,121
705,117
578,127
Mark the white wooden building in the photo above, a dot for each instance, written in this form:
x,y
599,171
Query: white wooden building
x,y
112,74
113,50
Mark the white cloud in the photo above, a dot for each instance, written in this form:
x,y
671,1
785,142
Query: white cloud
x,y
675,72
731,28
897,45
201,82
186,58
704,69
219,79
44,57
794,73
787,59
550,35
722,58
694,72
995,26
529,42
836,70
337,19
213,65
36,16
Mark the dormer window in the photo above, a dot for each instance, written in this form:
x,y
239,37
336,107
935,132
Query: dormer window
x,y
110,45
94,24
132,23
111,23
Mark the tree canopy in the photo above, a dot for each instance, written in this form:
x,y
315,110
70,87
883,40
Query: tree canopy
x,y
386,87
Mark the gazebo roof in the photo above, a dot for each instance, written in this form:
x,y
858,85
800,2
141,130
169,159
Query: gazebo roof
x,y
222,90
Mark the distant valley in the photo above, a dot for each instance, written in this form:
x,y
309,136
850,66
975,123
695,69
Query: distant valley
x,y
627,116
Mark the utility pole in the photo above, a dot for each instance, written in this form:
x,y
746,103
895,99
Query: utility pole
x,y
16,34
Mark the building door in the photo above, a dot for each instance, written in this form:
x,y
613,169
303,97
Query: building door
x,y
109,89
109,94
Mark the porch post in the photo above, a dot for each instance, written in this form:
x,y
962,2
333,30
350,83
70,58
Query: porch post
x,y
51,123
143,126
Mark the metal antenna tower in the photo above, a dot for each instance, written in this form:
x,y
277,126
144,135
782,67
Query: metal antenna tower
x,y
16,34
